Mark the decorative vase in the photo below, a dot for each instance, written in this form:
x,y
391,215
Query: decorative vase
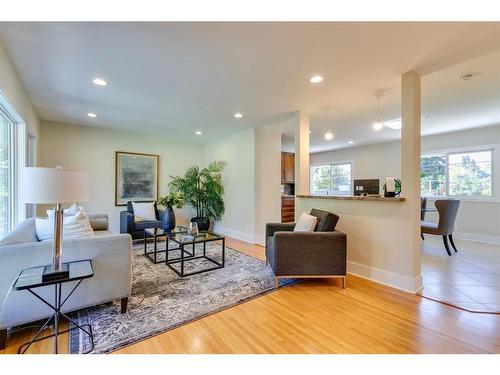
x,y
169,219
203,222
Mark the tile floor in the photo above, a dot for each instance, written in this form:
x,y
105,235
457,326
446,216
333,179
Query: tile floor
x,y
469,279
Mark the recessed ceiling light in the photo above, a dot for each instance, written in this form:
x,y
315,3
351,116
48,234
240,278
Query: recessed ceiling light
x,y
377,125
99,82
198,133
309,132
328,135
238,115
93,115
316,79
350,142
394,124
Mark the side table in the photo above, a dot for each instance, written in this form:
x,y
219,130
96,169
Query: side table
x,y
30,279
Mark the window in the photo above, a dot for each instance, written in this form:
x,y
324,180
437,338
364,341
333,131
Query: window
x,y
332,179
458,174
469,174
433,176
12,159
5,181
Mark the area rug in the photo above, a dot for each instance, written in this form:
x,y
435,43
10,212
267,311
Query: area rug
x,y
161,300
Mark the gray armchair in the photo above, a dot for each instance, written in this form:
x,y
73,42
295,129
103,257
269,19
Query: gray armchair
x,y
318,254
447,209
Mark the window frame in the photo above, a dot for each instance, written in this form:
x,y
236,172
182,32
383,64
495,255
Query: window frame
x,y
17,160
463,150
491,150
337,162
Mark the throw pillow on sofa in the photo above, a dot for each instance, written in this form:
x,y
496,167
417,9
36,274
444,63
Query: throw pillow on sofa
x,y
144,211
77,226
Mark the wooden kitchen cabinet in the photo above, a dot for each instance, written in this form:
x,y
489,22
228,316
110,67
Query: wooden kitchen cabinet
x,y
287,167
287,209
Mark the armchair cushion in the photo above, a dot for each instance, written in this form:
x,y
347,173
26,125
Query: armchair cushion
x,y
274,227
130,208
306,223
326,220
307,253
147,224
144,211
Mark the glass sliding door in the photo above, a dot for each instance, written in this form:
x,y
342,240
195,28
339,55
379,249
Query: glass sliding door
x,y
5,174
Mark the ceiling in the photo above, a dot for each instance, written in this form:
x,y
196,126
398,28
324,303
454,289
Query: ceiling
x,y
178,78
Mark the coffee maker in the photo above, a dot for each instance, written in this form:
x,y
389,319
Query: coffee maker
x,y
392,187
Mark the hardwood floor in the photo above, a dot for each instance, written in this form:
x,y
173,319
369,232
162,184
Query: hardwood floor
x,y
318,316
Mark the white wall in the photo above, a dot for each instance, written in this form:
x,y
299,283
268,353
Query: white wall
x,y
12,87
238,150
93,150
252,181
267,180
477,219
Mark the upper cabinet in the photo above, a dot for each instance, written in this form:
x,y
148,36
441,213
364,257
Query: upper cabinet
x,y
287,167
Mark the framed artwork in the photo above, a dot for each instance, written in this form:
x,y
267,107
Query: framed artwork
x,y
136,177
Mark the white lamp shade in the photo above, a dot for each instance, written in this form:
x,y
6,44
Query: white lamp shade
x,y
54,185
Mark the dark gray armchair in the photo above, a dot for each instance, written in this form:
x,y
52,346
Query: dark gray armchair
x,y
447,209
319,254
136,230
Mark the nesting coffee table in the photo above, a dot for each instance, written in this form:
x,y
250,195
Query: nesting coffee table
x,y
157,233
184,240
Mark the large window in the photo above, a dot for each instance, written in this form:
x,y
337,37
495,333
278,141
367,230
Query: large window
x,y
433,175
12,159
331,179
5,146
458,174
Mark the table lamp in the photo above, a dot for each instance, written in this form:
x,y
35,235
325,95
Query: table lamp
x,y
55,186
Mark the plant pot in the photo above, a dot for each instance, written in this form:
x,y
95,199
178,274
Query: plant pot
x,y
168,219
203,222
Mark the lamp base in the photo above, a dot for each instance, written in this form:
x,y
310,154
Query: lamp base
x,y
50,274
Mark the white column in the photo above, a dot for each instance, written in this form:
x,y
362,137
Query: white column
x,y
302,153
410,162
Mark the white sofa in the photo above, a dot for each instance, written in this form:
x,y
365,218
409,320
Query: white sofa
x,y
111,255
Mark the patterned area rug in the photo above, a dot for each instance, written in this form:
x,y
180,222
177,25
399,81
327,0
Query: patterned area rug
x,y
161,300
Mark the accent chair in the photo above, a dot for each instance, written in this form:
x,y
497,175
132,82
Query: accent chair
x,y
318,254
447,209
136,230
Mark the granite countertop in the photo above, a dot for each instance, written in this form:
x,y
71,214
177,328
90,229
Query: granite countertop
x,y
354,198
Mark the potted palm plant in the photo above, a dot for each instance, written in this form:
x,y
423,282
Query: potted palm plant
x,y
174,199
202,189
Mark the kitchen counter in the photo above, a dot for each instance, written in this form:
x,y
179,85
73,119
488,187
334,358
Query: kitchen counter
x,y
353,198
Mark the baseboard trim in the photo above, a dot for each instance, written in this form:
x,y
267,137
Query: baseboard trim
x,y
391,279
242,236
477,237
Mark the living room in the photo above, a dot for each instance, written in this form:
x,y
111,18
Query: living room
x,y
143,181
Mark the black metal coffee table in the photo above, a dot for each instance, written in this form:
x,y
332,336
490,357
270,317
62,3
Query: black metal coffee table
x,y
157,233
31,278
183,239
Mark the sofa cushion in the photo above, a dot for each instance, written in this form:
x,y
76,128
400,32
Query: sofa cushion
x,y
77,226
24,232
99,222
326,220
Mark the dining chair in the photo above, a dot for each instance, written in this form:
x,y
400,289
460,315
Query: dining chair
x,y
423,207
447,209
